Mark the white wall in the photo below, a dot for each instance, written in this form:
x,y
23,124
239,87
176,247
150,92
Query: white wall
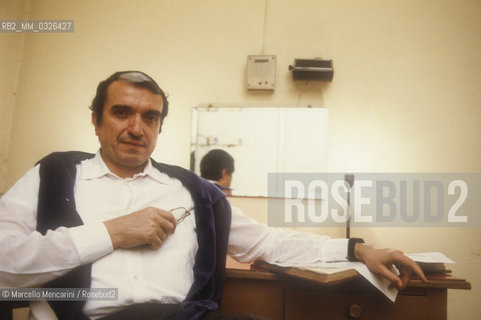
x,y
405,96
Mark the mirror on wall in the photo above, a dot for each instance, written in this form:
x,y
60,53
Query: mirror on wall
x,y
261,140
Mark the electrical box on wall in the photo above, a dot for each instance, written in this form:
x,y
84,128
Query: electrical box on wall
x,y
261,72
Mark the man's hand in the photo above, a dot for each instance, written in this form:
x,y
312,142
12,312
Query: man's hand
x,y
149,226
380,262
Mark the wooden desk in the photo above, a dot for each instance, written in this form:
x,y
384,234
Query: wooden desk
x,y
280,297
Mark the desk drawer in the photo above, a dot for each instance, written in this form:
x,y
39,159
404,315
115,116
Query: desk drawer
x,y
315,305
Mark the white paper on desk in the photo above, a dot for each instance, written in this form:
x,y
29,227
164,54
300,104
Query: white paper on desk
x,y
430,257
381,283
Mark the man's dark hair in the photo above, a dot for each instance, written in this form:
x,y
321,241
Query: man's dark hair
x,y
213,162
136,78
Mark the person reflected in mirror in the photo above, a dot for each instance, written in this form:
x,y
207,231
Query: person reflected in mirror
x,y
217,166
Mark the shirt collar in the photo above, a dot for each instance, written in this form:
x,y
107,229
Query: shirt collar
x,y
219,185
95,168
155,174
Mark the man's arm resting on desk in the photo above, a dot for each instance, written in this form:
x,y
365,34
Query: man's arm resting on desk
x,y
250,240
280,246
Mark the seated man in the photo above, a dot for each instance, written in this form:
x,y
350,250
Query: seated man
x,y
158,233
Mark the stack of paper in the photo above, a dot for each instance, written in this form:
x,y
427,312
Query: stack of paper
x,y
333,271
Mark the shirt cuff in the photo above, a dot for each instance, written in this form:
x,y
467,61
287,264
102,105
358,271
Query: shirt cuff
x,y
334,250
91,241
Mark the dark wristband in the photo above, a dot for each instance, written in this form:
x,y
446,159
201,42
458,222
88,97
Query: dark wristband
x,y
350,248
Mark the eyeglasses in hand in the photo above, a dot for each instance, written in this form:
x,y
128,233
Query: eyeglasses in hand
x,y
180,213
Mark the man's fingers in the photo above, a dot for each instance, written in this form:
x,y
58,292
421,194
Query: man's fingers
x,y
167,221
405,274
390,275
412,266
161,235
171,218
156,243
419,272
165,225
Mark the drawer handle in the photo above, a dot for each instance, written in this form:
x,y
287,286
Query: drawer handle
x,y
355,311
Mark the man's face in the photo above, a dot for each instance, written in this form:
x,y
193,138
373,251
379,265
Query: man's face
x,y
130,126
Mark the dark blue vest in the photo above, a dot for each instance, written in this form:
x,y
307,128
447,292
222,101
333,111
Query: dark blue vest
x,y
56,207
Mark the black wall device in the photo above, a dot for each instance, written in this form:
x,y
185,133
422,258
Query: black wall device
x,y
312,70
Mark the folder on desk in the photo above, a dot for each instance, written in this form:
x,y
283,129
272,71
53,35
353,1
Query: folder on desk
x,y
325,275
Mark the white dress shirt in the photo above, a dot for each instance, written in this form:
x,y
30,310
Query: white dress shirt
x,y
30,259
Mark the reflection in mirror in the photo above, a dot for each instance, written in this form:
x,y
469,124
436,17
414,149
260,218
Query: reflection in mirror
x,y
261,140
